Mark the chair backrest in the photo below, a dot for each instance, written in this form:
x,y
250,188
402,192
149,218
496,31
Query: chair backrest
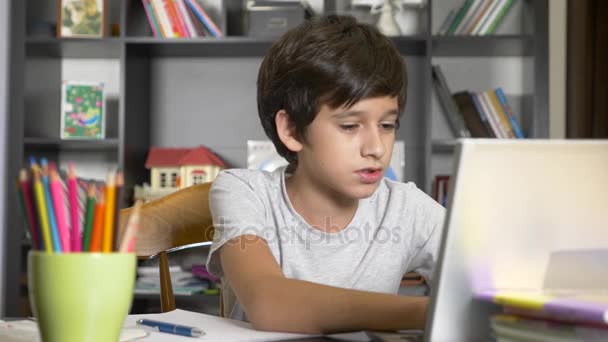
x,y
175,221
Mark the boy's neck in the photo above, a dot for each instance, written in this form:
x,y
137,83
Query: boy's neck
x,y
316,205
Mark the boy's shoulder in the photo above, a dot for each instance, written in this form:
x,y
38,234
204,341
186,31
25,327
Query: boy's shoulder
x,y
401,195
254,179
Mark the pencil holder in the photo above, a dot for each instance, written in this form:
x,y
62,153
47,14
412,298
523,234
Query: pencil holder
x,y
80,297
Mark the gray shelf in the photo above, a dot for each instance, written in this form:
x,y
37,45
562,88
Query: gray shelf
x,y
483,46
73,145
236,46
73,47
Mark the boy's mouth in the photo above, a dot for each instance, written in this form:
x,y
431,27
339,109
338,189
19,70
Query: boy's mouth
x,y
369,175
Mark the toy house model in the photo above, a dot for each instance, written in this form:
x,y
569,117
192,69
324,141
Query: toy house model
x,y
177,168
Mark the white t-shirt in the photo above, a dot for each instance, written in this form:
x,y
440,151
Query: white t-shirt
x,y
394,231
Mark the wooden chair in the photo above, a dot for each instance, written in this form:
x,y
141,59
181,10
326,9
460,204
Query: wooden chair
x,y
177,221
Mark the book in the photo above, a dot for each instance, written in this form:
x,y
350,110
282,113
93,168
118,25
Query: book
x,y
183,13
497,108
440,189
502,12
173,20
472,118
82,110
151,18
163,18
450,109
513,328
477,30
479,16
486,103
204,17
460,15
466,20
443,29
492,120
483,115
176,18
509,113
483,30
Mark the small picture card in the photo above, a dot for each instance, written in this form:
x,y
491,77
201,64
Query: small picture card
x,y
82,110
81,18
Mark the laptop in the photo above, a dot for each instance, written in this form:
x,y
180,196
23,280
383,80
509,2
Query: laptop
x,y
527,223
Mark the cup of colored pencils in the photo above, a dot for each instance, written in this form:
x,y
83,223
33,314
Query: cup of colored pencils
x,y
80,272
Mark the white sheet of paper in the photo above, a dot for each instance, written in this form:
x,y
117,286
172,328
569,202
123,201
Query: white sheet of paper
x,y
215,328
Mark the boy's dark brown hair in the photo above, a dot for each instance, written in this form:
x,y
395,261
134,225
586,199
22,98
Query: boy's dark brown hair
x,y
333,60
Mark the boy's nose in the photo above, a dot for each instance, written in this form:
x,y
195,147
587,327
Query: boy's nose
x,y
373,145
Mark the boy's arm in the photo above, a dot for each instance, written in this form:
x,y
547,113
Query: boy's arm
x,y
274,302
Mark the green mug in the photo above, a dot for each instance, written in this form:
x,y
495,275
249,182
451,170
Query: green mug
x,y
80,297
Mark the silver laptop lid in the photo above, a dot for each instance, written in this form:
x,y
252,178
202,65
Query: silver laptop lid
x,y
512,204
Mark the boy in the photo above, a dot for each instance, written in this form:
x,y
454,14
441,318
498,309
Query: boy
x,y
322,245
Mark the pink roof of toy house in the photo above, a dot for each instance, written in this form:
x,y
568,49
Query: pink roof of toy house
x,y
175,157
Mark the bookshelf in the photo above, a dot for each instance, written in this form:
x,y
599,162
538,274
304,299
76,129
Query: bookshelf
x,y
186,92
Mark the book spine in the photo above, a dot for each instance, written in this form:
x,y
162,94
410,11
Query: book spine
x,y
168,5
480,14
469,113
443,29
451,111
198,26
461,13
181,6
501,14
163,18
507,109
486,15
485,103
483,116
151,19
502,118
204,18
491,17
181,25
467,18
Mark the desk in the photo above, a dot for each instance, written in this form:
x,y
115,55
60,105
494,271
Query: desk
x,y
216,329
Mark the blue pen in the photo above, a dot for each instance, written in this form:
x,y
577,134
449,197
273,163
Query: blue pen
x,y
171,328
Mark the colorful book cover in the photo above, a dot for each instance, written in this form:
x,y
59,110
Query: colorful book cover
x,y
82,110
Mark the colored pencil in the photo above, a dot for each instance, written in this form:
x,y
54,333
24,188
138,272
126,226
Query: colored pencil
x,y
25,192
97,233
63,228
42,210
120,181
108,227
128,239
76,243
90,214
50,210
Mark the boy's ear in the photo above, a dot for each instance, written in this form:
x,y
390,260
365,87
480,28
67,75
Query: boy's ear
x,y
287,131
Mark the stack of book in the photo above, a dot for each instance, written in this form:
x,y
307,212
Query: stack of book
x,y
486,114
475,17
179,19
537,317
184,283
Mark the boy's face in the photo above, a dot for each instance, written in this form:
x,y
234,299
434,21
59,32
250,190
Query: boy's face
x,y
347,150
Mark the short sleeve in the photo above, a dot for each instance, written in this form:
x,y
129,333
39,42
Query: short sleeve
x,y
237,210
425,259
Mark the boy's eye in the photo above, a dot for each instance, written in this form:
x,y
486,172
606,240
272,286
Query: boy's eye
x,y
389,126
348,127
